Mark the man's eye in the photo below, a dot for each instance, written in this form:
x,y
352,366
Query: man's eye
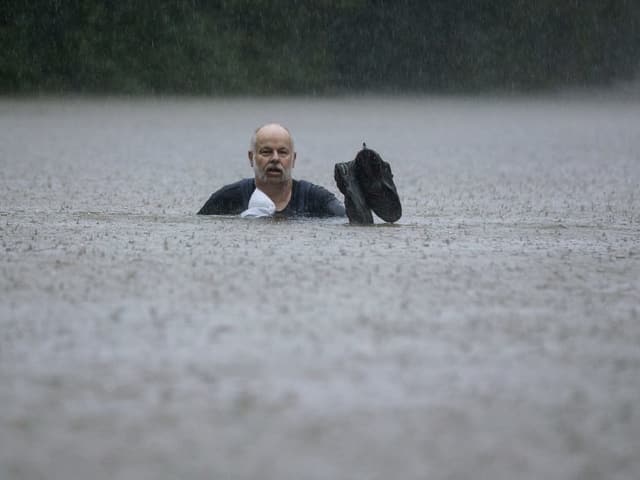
x,y
283,152
265,152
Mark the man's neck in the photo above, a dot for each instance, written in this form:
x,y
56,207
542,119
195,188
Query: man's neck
x,y
279,193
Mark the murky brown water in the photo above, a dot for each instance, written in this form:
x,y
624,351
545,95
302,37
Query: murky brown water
x,y
492,333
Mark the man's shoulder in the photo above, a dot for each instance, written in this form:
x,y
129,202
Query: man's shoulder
x,y
315,200
244,184
240,189
229,199
308,187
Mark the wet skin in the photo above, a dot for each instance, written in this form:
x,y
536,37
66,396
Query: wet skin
x,y
272,161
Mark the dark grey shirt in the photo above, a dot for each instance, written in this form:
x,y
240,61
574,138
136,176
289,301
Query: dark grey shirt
x,y
307,200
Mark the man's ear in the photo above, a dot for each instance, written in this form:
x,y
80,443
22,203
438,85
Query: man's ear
x,y
295,155
250,155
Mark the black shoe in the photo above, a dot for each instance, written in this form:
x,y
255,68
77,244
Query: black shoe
x,y
354,202
376,181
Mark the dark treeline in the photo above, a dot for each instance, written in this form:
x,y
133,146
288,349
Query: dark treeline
x,y
296,46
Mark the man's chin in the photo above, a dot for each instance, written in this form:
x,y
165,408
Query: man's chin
x,y
275,179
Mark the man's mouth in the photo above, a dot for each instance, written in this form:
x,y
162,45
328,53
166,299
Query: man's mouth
x,y
274,171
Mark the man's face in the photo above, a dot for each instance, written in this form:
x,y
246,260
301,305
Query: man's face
x,y
274,157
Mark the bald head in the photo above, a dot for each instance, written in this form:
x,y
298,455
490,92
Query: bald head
x,y
270,129
272,155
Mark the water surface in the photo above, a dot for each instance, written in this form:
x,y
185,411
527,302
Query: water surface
x,y
492,333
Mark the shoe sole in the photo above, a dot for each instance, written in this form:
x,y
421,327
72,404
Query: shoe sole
x,y
376,180
354,200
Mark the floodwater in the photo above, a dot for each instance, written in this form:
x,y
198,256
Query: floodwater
x,y
492,333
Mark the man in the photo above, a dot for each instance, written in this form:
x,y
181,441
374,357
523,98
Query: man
x,y
272,157
366,183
